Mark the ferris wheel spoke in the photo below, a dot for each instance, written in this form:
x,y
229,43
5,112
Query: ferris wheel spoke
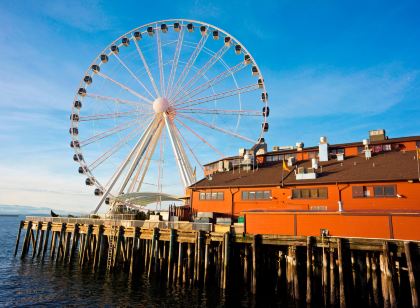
x,y
111,183
146,66
108,133
204,86
148,142
116,100
203,123
133,75
217,96
202,71
201,138
175,60
188,66
115,148
129,90
160,62
220,111
106,116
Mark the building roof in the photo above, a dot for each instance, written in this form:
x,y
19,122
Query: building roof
x,y
332,146
387,166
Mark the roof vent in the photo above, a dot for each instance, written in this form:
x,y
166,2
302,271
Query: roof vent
x,y
291,161
314,163
368,154
377,135
305,174
323,139
299,146
340,156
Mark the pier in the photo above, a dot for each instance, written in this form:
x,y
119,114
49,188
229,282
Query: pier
x,y
314,270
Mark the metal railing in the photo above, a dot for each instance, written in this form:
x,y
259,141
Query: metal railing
x,y
179,225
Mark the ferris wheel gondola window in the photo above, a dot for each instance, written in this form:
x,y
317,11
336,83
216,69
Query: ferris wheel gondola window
x,y
150,31
77,105
164,28
104,58
190,27
115,49
177,27
82,91
87,79
125,41
215,34
137,36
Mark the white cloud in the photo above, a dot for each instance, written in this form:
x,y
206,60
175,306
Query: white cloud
x,y
36,185
320,92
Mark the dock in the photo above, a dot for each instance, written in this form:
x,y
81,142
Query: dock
x,y
311,270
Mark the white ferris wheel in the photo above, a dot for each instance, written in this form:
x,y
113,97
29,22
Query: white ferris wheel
x,y
168,95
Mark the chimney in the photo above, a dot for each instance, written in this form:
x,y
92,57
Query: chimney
x,y
314,163
323,149
299,146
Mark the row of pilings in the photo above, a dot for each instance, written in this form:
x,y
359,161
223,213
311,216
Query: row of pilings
x,y
317,271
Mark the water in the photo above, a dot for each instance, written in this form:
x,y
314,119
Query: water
x,y
30,282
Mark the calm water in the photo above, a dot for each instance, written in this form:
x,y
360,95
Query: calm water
x,y
30,282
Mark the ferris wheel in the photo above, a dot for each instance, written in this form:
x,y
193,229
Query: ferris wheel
x,y
159,102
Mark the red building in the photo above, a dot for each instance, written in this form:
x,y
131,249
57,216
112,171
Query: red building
x,y
362,189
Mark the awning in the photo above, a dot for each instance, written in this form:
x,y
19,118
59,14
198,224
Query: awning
x,y
145,198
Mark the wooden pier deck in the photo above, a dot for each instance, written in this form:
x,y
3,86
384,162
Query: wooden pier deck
x,y
316,271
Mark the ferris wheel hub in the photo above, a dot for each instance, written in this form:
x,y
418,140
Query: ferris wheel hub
x,y
160,105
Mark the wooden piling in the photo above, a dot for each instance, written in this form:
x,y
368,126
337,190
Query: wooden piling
x,y
171,253
411,276
25,246
39,227
226,261
389,275
255,242
341,273
308,270
206,264
22,222
47,235
332,278
324,276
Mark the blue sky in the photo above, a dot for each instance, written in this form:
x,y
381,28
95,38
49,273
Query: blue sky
x,y
332,68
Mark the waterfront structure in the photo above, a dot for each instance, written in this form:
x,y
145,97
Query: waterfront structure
x,y
366,189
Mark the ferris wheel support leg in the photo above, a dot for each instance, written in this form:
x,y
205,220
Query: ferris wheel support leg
x,y
182,162
154,143
122,167
142,149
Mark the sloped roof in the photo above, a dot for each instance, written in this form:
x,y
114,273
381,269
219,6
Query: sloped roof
x,y
387,166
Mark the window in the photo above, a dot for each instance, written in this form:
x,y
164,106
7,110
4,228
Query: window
x,y
211,196
337,151
256,195
361,149
377,191
310,193
358,191
384,191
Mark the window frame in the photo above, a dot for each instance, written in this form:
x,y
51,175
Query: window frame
x,y
307,191
264,195
383,195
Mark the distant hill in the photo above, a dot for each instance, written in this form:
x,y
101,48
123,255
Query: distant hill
x,y
31,210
